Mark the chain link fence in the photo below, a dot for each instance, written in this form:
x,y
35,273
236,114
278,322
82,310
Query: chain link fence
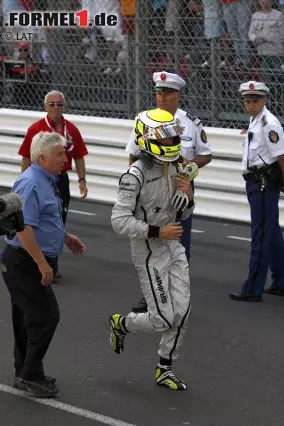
x,y
107,70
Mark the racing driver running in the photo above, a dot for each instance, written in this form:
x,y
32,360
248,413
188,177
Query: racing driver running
x,y
152,194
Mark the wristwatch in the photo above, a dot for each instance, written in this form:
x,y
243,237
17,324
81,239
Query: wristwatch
x,y
82,180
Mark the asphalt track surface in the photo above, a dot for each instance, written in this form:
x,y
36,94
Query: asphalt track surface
x,y
232,357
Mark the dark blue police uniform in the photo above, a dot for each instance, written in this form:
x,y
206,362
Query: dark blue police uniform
x,y
263,144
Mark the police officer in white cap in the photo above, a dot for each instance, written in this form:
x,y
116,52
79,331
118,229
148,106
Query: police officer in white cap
x,y
195,147
263,171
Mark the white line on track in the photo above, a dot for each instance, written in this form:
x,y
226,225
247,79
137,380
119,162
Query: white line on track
x,y
85,213
238,238
197,231
66,407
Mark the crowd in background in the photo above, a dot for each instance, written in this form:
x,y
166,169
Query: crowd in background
x,y
205,41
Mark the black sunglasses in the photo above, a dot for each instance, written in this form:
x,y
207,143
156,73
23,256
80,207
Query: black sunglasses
x,y
24,50
55,187
53,104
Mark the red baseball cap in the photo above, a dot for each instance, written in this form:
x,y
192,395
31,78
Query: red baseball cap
x,y
24,45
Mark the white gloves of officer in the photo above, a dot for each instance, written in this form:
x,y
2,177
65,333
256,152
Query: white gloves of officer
x,y
180,200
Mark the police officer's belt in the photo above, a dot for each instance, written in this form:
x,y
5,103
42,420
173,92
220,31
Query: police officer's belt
x,y
270,172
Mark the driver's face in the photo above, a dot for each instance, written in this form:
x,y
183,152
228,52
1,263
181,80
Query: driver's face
x,y
165,141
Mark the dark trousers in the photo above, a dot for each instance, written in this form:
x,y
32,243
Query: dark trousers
x,y
64,191
267,244
35,311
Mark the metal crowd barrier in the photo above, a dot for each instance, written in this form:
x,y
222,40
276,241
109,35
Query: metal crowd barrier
x,y
220,189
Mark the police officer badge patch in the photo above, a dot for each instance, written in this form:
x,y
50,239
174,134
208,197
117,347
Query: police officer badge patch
x,y
203,136
273,136
3,267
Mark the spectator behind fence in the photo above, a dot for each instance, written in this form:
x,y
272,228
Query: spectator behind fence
x,y
116,43
19,33
114,39
267,33
191,29
172,15
128,16
33,70
21,92
8,7
24,52
237,14
159,17
215,28
63,46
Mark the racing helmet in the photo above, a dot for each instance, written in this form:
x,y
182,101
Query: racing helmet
x,y
151,127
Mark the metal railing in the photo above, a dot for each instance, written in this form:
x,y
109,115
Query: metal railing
x,y
220,189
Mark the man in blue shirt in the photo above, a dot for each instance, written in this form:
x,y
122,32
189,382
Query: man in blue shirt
x,y
28,263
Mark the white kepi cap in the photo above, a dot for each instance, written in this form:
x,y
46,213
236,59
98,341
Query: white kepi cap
x,y
253,88
167,80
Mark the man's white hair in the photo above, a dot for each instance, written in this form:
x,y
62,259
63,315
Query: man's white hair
x,y
54,92
43,143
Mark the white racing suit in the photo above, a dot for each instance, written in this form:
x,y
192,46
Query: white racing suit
x,y
143,204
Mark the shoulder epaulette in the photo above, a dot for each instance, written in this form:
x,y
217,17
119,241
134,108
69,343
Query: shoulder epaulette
x,y
193,118
264,121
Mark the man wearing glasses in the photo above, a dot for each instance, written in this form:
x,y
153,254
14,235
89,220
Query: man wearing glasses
x,y
75,147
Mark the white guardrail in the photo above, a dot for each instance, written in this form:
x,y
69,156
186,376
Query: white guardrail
x,y
220,189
